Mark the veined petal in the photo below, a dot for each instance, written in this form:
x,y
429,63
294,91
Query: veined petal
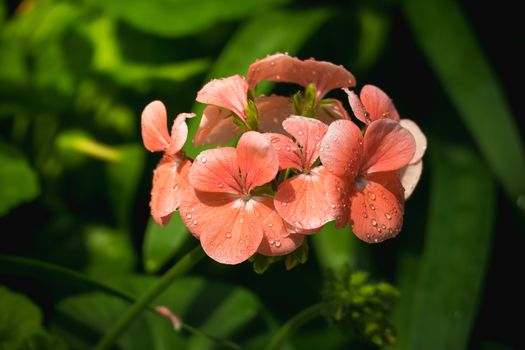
x,y
409,177
419,137
277,239
216,170
376,210
324,75
272,111
216,127
331,110
179,132
377,103
154,127
169,184
229,228
303,202
357,107
308,133
230,93
257,159
341,148
338,190
289,154
387,147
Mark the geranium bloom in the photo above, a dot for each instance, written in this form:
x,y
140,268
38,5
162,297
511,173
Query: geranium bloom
x,y
374,104
367,167
169,178
302,200
225,210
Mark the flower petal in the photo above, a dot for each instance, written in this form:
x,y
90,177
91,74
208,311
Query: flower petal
x,y
377,103
179,132
230,229
308,133
409,177
376,210
216,170
330,110
154,127
357,107
289,154
169,183
272,111
324,75
303,202
341,148
230,93
216,127
277,239
257,159
419,137
387,147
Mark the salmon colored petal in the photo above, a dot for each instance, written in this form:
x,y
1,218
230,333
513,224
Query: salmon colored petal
x,y
154,127
409,177
179,132
308,133
387,147
287,151
273,110
357,107
277,239
376,211
341,148
330,110
377,103
419,137
338,190
216,127
325,76
303,202
216,170
257,159
230,93
229,228
169,183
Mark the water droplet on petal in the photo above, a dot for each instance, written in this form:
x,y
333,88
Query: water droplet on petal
x,y
277,244
270,224
372,207
299,132
332,206
383,227
371,195
271,242
388,216
228,235
195,222
365,215
204,160
285,204
374,222
287,148
221,185
188,216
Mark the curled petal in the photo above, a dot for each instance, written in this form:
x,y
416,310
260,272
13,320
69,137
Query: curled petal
x,y
257,159
377,103
303,202
273,110
308,133
277,239
325,76
229,228
216,170
154,127
419,137
230,93
216,127
341,148
289,154
169,184
179,132
387,147
330,110
409,177
376,211
357,107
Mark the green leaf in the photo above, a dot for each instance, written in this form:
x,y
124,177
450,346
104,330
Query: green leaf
x,y
453,52
456,251
18,182
249,44
335,247
375,27
181,17
162,243
19,319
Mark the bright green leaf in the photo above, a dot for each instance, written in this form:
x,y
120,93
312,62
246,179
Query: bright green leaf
x,y
452,50
181,17
162,243
18,182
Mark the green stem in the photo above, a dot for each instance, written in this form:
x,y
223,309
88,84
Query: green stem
x,y
183,265
293,324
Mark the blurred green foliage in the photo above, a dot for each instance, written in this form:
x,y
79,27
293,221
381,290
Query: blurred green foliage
x,y
77,244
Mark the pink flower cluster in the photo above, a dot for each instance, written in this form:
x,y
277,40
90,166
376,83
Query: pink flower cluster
x,y
300,161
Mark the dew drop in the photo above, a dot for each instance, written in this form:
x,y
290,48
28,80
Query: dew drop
x,y
376,240
221,185
332,206
383,227
365,215
204,160
288,148
374,222
193,210
285,204
271,242
388,216
241,241
228,235
371,195
188,216
270,224
195,222
277,243
299,132
372,207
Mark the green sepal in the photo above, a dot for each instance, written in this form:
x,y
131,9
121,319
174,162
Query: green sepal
x,y
297,99
298,256
252,116
261,263
310,101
